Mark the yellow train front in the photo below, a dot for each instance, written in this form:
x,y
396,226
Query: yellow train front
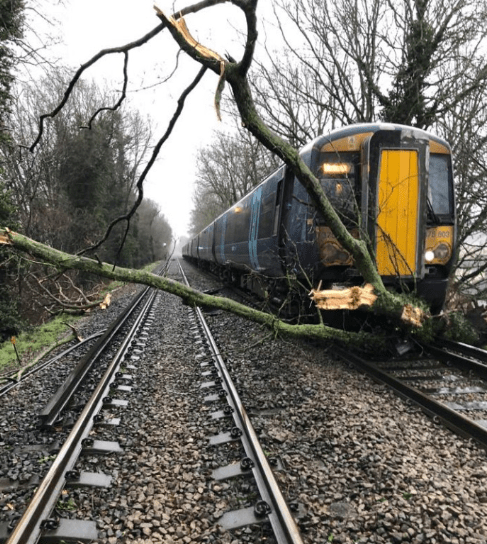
x,y
392,185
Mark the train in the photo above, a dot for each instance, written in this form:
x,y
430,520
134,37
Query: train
x,y
391,185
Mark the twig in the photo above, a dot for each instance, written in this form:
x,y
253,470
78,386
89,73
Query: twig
x,y
124,49
127,217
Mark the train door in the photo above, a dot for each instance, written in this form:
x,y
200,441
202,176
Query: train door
x,y
398,208
254,228
220,234
267,242
393,190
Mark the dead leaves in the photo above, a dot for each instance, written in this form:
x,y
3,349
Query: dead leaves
x,y
106,301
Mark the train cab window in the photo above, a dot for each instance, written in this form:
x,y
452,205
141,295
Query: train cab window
x,y
338,174
440,185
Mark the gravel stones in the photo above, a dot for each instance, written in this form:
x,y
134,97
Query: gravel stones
x,y
363,465
366,466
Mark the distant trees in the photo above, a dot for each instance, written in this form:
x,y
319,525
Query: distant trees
x,y
421,63
10,320
154,232
227,169
11,30
470,146
364,60
83,174
236,75
80,178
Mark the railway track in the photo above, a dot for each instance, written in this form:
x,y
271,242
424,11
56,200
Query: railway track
x,y
214,467
41,521
358,452
16,379
447,381
92,385
271,506
428,379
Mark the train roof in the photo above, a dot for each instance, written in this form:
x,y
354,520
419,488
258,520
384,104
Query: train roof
x,y
364,130
344,133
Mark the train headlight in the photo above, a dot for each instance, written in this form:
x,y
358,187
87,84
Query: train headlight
x,y
336,168
442,252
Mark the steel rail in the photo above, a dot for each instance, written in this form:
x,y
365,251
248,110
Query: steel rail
x,y
461,425
479,366
50,413
5,388
465,349
28,529
285,529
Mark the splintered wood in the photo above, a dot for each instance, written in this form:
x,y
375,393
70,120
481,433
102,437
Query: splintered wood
x,y
180,26
344,299
355,297
4,238
413,315
106,301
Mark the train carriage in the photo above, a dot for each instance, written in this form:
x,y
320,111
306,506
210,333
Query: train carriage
x,y
205,244
392,185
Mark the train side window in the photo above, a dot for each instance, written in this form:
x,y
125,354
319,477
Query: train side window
x,y
241,222
277,208
439,183
266,220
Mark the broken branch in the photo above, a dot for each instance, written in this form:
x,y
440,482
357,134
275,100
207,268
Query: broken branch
x,y
344,299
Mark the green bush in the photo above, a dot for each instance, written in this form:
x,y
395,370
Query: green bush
x,y
459,329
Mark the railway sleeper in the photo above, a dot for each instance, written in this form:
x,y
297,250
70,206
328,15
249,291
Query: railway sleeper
x,y
56,530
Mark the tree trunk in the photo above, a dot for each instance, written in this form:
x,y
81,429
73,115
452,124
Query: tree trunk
x,y
64,261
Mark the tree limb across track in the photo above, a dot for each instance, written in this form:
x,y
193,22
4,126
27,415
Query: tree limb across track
x,y
66,261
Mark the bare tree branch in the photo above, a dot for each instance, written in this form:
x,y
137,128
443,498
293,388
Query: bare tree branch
x,y
122,96
140,191
123,49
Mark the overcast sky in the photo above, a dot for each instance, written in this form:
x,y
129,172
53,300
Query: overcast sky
x,y
87,26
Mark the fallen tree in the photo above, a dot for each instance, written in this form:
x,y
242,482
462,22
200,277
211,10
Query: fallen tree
x,y
64,261
236,75
401,311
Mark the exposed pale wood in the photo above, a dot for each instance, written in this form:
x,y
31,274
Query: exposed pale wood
x,y
413,315
106,301
351,298
5,237
180,26
64,261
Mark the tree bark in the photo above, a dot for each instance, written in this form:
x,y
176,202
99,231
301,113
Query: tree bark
x,y
235,73
64,261
391,305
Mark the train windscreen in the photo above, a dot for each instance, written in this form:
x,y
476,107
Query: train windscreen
x,y
338,174
440,187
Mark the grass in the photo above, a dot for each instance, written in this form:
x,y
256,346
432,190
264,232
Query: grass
x,y
68,504
34,341
45,337
112,286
